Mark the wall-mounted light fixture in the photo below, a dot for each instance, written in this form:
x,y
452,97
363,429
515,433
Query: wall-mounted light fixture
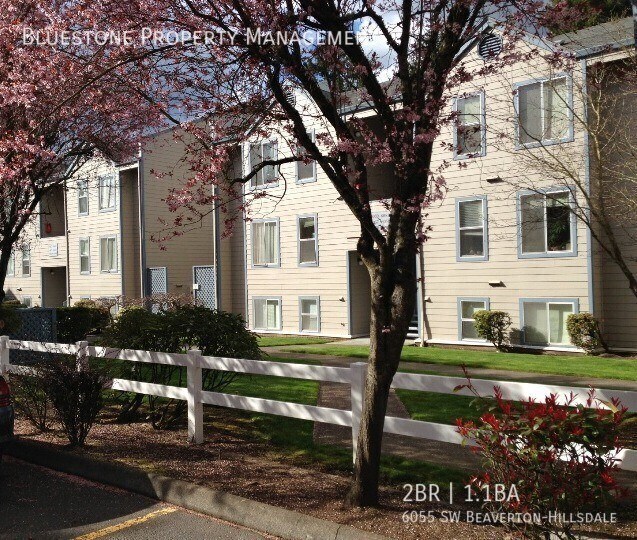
x,y
498,283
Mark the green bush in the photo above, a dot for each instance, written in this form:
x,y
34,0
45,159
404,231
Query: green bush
x,y
10,321
493,326
75,323
583,329
177,329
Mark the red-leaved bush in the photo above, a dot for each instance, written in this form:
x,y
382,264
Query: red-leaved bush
x,y
560,456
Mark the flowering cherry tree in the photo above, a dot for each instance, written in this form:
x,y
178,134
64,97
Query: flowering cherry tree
x,y
241,87
59,105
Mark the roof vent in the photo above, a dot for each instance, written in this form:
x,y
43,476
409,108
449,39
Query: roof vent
x,y
490,46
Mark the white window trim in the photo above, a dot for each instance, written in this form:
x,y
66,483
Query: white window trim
x,y
483,127
485,229
298,240
88,206
116,271
22,259
278,241
317,299
570,136
573,222
79,243
29,298
267,298
248,168
112,178
461,300
574,302
313,178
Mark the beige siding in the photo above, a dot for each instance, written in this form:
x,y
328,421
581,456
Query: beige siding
x,y
196,246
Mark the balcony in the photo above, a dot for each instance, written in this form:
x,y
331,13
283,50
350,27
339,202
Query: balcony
x,y
52,218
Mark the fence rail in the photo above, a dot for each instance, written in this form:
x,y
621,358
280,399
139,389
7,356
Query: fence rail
x,y
354,375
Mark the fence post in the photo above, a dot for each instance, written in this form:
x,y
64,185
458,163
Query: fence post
x,y
82,355
4,355
195,406
358,373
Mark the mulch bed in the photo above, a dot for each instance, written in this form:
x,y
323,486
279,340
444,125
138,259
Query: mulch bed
x,y
232,462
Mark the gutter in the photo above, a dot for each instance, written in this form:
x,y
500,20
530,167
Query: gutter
x,y
68,255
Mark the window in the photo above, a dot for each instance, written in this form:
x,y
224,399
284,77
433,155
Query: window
x,y
466,310
544,320
265,243
471,236
470,130
547,225
27,302
308,241
108,254
260,152
309,314
107,192
11,265
26,261
85,256
267,313
306,172
544,111
82,197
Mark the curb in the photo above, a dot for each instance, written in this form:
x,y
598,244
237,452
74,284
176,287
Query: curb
x,y
255,515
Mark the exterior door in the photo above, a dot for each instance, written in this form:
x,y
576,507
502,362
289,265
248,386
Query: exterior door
x,y
204,283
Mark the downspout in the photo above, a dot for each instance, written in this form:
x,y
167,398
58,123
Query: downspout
x,y
68,255
587,182
121,231
142,220
216,252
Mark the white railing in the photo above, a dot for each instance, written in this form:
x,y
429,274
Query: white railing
x,y
354,375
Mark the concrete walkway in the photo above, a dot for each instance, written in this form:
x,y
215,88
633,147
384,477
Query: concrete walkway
x,y
456,371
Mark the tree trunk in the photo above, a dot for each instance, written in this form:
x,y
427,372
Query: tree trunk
x,y
391,311
5,255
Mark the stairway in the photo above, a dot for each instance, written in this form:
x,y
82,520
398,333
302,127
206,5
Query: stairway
x,y
413,327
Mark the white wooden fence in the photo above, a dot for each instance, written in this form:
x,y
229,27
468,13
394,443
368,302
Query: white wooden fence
x,y
354,375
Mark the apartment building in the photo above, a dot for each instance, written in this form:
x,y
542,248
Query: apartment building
x,y
503,237
98,236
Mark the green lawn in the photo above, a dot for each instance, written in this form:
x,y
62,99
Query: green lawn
x,y
585,366
439,408
281,341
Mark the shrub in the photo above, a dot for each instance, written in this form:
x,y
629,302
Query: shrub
x,y
559,457
177,328
583,329
76,395
493,326
10,320
30,399
75,323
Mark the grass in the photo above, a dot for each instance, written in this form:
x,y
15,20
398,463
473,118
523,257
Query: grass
x,y
583,366
282,341
439,408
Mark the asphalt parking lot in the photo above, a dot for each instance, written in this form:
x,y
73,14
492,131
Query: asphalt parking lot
x,y
39,503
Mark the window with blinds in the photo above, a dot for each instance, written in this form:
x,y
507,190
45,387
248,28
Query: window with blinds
x,y
472,227
545,321
309,314
544,111
85,259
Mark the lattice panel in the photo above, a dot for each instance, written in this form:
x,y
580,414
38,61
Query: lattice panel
x,y
205,278
157,281
38,324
